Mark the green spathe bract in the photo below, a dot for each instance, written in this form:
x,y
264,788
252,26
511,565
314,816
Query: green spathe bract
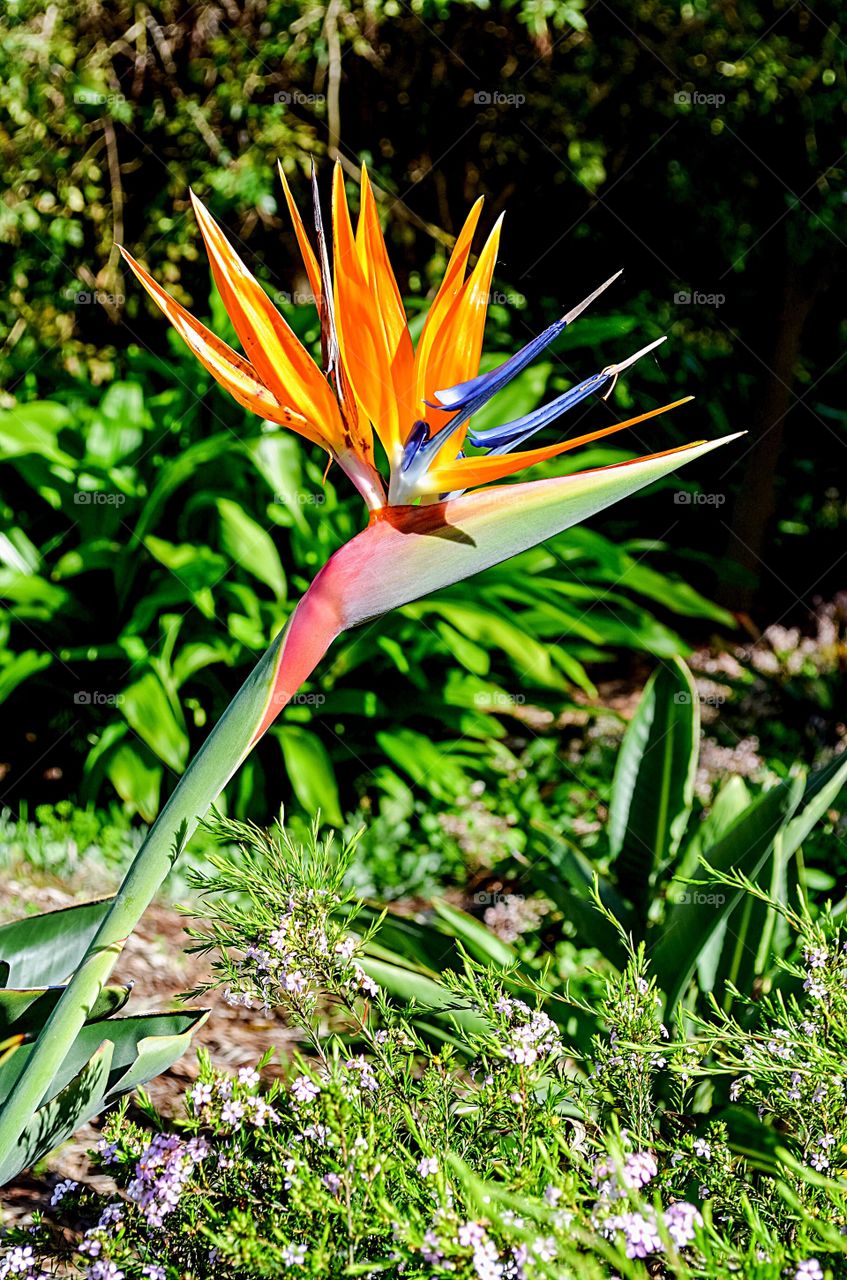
x,y
406,554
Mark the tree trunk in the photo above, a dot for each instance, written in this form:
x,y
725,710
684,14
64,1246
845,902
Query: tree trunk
x,y
755,505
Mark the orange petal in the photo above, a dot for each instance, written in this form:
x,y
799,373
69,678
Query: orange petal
x,y
472,471
379,275
231,370
310,262
361,333
278,356
453,280
458,345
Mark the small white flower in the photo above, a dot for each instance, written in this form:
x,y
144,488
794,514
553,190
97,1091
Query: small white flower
x,y
304,1089
294,1255
702,1149
248,1076
428,1166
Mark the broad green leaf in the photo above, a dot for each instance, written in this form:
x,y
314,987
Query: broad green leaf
x,y
20,668
310,772
156,719
137,781
477,938
822,790
428,765
126,1034
43,950
653,785
24,1011
250,546
411,985
53,1123
728,805
700,911
34,428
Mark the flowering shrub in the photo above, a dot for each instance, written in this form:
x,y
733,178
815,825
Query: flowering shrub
x,y
492,1152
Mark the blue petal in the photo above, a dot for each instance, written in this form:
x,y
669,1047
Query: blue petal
x,y
521,428
415,441
468,397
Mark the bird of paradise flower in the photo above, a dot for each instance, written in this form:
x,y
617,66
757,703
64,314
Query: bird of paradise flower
x,y
430,527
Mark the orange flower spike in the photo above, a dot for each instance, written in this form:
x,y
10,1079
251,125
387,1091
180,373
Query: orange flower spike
x,y
457,350
454,278
276,353
310,262
361,334
235,374
465,472
387,300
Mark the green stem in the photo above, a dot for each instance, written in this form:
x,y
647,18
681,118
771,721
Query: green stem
x,y
269,686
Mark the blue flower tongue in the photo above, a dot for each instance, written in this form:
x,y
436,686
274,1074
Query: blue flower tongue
x,y
468,397
516,431
507,437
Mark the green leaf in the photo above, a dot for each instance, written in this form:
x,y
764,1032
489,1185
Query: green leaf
x,y
822,790
476,937
137,781
126,1034
653,785
429,766
43,950
250,546
699,912
411,985
310,772
34,428
157,721
24,1012
20,668
53,1123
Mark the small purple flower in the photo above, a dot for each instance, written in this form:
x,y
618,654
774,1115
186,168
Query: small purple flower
x,y
681,1219
305,1090
810,1269
62,1189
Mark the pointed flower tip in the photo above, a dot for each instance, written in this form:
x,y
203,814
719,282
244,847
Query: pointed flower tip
x,y
630,360
571,315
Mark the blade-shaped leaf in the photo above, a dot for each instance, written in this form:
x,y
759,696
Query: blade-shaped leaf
x,y
653,786
53,1123
310,771
44,950
697,914
126,1034
24,1012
